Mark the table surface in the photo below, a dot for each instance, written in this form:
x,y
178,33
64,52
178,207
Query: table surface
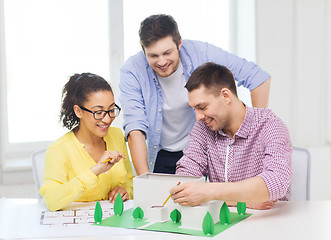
x,y
20,219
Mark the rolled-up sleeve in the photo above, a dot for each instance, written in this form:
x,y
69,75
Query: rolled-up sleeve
x,y
277,163
132,102
246,73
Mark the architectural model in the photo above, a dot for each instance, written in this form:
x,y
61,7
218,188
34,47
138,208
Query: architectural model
x,y
152,212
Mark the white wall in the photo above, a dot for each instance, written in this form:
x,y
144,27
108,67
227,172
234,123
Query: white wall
x,y
293,45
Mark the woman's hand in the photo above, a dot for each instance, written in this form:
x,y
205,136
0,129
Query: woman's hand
x,y
107,161
113,194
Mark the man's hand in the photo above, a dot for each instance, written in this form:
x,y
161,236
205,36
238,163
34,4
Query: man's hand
x,y
113,194
253,191
262,205
255,205
191,194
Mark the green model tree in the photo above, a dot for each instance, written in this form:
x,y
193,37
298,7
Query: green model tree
x,y
208,224
97,213
138,213
118,205
225,215
241,208
175,216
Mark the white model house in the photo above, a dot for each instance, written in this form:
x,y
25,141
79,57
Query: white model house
x,y
150,191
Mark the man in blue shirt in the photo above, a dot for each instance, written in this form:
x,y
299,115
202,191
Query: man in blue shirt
x,y
154,99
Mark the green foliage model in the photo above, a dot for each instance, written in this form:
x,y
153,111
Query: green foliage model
x,y
97,213
208,224
175,216
241,208
138,213
225,215
118,205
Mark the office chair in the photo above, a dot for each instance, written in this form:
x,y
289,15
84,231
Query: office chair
x,y
300,185
38,163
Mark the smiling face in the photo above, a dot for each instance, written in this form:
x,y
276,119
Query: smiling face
x,y
163,56
96,101
213,110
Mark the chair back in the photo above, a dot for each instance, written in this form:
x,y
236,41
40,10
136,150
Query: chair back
x,y
38,163
300,185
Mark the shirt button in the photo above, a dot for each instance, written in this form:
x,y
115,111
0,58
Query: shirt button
x,y
158,130
160,110
151,163
154,147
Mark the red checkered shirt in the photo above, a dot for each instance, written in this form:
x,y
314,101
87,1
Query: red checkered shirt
x,y
261,147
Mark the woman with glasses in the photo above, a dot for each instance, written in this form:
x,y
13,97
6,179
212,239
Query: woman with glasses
x,y
91,161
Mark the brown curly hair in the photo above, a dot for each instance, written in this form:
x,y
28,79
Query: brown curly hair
x,y
75,92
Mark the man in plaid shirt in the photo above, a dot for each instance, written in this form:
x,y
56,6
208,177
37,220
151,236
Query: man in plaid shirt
x,y
246,152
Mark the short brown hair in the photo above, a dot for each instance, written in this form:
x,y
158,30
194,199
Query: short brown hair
x,y
212,76
156,27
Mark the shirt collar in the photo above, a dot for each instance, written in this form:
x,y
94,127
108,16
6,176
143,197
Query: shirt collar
x,y
246,125
186,60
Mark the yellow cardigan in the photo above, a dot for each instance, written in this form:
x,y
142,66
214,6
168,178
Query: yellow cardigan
x,y
67,174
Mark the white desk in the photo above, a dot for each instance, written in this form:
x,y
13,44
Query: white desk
x,y
19,218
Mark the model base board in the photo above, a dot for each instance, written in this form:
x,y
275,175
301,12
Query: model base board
x,y
127,221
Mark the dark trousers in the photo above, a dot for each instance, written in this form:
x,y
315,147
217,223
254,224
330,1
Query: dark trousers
x,y
166,161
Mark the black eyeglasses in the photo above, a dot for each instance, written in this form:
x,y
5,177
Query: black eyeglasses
x,y
100,114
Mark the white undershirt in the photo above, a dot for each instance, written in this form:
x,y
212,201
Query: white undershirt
x,y
178,117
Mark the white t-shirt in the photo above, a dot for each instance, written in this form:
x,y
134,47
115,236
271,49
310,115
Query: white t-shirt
x,y
178,118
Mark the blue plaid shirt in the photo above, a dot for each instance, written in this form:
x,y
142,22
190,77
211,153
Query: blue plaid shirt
x,y
140,92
